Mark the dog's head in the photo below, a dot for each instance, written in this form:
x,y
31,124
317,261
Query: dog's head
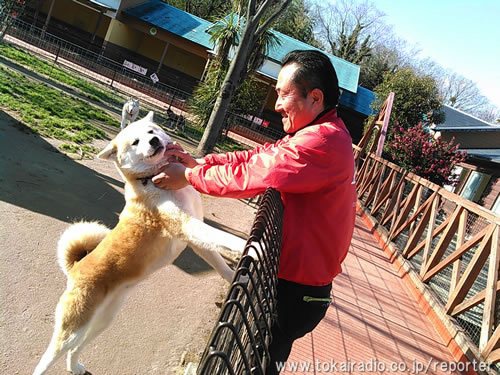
x,y
138,149
132,106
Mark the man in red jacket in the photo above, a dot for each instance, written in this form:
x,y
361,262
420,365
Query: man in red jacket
x,y
313,169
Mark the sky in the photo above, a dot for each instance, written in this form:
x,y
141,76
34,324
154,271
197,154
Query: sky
x,y
460,35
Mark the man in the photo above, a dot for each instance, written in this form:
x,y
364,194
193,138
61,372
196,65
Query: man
x,y
313,169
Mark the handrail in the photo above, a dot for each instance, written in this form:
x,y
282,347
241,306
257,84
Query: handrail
x,y
451,242
240,339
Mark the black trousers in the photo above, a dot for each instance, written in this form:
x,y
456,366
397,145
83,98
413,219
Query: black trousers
x,y
297,316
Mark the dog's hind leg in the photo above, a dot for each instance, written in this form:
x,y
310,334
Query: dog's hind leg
x,y
70,328
62,341
100,321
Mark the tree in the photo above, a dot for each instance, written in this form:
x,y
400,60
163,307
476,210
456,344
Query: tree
x,y
415,97
207,9
9,11
388,54
297,23
258,17
417,151
347,28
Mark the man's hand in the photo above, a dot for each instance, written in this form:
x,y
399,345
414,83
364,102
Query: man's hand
x,y
172,177
174,152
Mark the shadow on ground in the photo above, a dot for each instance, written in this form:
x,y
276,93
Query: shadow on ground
x,y
36,176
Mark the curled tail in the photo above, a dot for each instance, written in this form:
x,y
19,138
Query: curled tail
x,y
77,241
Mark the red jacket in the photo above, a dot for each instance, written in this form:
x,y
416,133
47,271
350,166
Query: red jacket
x,y
314,172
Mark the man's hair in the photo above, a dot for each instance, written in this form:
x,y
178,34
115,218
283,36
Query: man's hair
x,y
314,71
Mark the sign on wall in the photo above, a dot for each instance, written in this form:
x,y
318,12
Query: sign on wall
x,y
136,68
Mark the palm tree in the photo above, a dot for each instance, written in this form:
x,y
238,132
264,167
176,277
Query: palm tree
x,y
250,33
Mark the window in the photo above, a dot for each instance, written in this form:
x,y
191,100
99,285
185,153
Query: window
x,y
496,206
474,186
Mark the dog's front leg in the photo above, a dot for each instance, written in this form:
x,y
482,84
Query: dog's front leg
x,y
213,244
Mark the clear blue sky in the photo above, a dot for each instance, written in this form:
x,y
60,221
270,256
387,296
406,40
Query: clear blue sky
x,y
462,35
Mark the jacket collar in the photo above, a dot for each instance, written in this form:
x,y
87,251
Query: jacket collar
x,y
327,114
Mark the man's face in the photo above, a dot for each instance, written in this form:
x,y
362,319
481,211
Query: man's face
x,y
297,110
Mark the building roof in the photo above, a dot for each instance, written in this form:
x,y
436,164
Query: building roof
x,y
164,16
360,102
458,120
492,154
109,4
347,72
169,18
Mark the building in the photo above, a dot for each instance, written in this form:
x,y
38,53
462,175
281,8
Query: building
x,y
154,37
480,174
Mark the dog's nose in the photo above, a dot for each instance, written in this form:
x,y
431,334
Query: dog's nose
x,y
155,141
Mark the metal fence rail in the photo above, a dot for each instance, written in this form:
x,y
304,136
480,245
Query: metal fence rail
x,y
241,337
97,66
109,72
452,243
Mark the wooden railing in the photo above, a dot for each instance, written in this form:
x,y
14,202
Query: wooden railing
x,y
451,242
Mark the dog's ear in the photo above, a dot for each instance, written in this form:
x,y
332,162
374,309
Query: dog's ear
x,y
149,116
109,152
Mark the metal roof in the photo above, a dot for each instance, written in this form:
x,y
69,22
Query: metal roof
x,y
492,154
110,4
458,120
360,102
171,19
347,72
190,27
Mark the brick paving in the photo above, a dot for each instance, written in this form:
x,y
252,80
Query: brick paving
x,y
374,324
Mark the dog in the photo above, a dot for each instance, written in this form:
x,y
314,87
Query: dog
x,y
154,227
130,111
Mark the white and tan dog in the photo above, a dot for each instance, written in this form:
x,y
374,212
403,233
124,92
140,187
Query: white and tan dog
x,y
154,228
130,111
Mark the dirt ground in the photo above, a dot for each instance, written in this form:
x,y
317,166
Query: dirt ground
x,y
41,191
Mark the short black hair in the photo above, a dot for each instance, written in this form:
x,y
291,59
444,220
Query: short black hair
x,y
315,71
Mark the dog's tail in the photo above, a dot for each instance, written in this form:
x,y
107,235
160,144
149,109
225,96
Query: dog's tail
x,y
77,241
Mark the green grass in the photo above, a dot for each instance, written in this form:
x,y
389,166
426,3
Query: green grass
x,y
52,71
51,112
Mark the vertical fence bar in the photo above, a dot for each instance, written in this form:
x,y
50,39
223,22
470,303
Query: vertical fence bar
x,y
240,339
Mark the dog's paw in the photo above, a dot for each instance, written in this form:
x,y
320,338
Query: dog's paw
x,y
255,250
78,369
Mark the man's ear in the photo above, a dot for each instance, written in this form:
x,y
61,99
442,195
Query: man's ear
x,y
317,96
109,152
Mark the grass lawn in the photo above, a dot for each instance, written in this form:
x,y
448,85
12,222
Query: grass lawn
x,y
55,114
52,113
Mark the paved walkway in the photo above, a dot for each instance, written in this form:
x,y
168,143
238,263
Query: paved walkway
x,y
374,324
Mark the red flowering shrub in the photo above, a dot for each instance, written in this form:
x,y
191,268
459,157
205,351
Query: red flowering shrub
x,y
417,151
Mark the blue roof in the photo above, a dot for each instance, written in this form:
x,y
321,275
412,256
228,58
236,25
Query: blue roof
x,y
347,72
190,27
360,102
176,21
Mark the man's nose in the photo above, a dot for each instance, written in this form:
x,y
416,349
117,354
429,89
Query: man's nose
x,y
277,105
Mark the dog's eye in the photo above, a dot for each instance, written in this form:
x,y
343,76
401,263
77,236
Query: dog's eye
x,y
151,131
136,142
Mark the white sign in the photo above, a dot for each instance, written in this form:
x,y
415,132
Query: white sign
x,y
135,67
154,78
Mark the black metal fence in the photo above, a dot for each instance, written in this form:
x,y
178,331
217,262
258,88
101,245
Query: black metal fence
x,y
96,66
240,339
104,70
